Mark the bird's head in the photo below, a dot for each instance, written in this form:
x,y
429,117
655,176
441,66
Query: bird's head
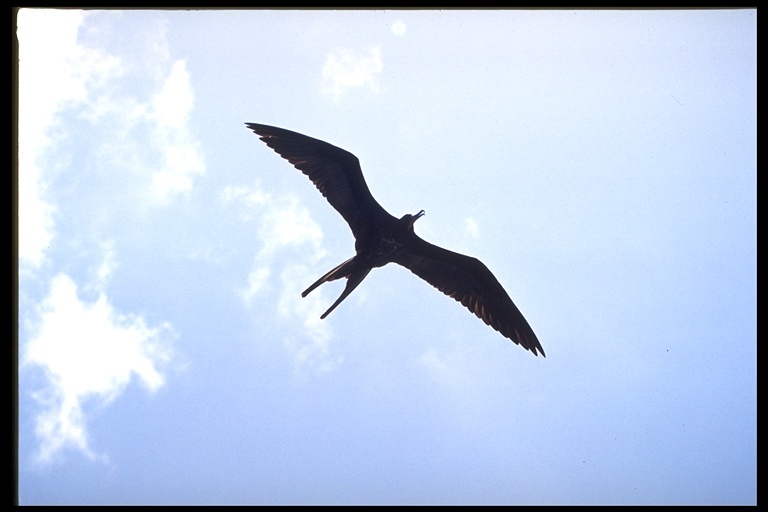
x,y
410,220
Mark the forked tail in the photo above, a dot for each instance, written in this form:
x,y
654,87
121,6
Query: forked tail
x,y
347,269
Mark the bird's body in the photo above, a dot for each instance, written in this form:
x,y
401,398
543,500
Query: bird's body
x,y
381,238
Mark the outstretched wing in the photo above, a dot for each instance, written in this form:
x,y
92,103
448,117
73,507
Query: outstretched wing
x,y
335,172
469,281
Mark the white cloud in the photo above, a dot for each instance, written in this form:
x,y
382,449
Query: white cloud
x,y
171,106
253,195
287,223
181,158
471,227
284,226
35,216
107,266
344,70
59,77
258,279
47,80
399,28
313,352
87,351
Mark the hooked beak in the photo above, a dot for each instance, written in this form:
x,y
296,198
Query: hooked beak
x,y
416,217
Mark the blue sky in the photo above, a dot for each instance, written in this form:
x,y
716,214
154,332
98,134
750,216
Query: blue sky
x,y
602,164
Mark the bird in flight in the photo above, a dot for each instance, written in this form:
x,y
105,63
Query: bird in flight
x,y
381,238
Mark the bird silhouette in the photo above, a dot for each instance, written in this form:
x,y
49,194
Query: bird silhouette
x,y
381,238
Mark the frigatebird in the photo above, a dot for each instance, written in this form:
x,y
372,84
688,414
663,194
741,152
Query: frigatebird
x,y
381,238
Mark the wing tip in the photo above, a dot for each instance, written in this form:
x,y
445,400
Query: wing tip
x,y
255,127
262,130
532,343
533,346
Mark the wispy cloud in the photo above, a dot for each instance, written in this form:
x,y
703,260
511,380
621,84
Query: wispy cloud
x,y
149,137
345,69
89,352
313,351
284,226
